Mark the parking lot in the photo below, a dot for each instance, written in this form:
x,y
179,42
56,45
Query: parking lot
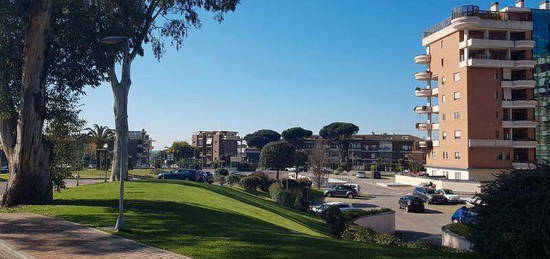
x,y
409,226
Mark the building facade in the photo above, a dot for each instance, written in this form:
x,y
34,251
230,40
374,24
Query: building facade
x,y
366,150
140,146
216,145
484,91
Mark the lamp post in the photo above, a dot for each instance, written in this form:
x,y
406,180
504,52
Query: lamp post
x,y
114,40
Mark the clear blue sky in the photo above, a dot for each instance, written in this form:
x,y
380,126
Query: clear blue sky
x,y
279,64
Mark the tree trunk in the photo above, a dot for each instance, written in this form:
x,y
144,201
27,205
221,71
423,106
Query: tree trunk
x,y
28,154
120,93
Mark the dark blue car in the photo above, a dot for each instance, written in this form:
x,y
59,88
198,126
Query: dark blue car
x,y
182,174
4,170
464,215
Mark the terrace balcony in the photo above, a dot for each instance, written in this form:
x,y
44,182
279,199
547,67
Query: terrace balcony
x,y
518,84
426,109
424,76
422,59
426,92
427,126
520,123
517,104
497,44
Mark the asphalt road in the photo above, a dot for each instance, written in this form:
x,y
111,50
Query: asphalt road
x,y
68,182
409,226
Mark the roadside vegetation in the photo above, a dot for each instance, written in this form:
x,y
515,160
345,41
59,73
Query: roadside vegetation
x,y
211,221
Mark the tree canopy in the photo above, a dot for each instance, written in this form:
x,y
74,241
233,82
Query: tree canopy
x,y
278,155
260,138
182,150
296,133
338,130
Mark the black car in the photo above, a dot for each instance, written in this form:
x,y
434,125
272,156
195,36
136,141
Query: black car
x,y
411,203
429,195
182,174
342,191
206,177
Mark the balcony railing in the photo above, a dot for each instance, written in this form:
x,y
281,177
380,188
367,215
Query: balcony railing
x,y
473,11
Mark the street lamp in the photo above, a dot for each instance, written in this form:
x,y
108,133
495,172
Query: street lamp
x,y
114,40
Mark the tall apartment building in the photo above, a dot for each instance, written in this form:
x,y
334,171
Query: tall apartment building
x,y
140,146
365,150
486,91
216,145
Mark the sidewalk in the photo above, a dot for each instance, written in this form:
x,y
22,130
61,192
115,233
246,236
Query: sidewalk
x,y
27,235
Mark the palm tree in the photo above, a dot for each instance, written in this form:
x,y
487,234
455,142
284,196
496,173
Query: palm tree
x,y
99,136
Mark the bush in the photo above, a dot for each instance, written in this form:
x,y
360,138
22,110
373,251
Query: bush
x,y
422,244
387,239
373,167
461,229
222,172
220,179
233,179
339,170
513,222
301,203
363,234
264,182
275,189
351,215
286,198
250,183
335,220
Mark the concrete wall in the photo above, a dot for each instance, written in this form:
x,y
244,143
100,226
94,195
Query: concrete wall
x,y
383,223
452,240
469,187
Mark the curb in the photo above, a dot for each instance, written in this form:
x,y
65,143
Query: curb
x,y
8,252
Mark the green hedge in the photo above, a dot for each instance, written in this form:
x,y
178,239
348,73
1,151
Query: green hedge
x,y
275,189
363,234
461,229
351,215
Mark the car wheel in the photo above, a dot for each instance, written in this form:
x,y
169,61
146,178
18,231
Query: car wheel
x,y
350,196
328,194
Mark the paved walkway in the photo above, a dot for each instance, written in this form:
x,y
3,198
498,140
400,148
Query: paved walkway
x,y
27,235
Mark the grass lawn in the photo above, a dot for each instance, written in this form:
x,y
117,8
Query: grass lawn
x,y
4,177
210,221
98,174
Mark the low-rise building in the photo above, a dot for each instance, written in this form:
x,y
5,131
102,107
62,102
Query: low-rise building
x,y
140,146
216,145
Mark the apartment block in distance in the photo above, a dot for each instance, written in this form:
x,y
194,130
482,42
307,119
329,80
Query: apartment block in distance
x,y
216,145
140,146
486,91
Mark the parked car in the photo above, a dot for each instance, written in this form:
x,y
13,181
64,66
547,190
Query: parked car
x,y
341,205
429,195
341,191
411,203
475,201
464,215
206,177
450,196
4,170
361,175
376,175
181,174
356,187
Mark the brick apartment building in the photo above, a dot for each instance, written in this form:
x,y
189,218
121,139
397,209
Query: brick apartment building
x,y
487,91
216,145
140,146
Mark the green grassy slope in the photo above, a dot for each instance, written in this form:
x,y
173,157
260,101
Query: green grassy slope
x,y
209,221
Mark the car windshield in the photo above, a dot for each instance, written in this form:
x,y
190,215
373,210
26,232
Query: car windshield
x,y
414,198
447,191
430,191
342,206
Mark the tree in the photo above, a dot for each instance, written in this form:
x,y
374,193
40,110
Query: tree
x,y
296,135
278,155
99,136
513,217
300,160
318,160
40,54
261,138
340,134
182,150
140,22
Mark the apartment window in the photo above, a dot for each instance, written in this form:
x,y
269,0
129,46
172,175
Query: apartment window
x,y
443,99
458,175
443,116
372,155
496,114
434,155
406,147
497,134
458,134
456,115
445,155
443,79
500,156
457,155
456,76
496,75
496,95
441,43
442,62
456,95
444,135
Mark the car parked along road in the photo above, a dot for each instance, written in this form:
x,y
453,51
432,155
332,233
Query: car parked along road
x,y
341,191
411,203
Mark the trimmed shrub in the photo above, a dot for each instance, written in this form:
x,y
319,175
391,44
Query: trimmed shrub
x,y
461,229
335,220
387,239
422,244
351,215
513,222
264,182
301,203
274,190
222,172
286,198
250,183
359,234
233,179
220,179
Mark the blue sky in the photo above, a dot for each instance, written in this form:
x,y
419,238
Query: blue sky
x,y
280,64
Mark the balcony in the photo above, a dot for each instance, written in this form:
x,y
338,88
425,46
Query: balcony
x,y
427,126
497,44
426,92
518,84
426,109
523,165
519,124
516,104
496,62
435,143
424,76
502,143
422,59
